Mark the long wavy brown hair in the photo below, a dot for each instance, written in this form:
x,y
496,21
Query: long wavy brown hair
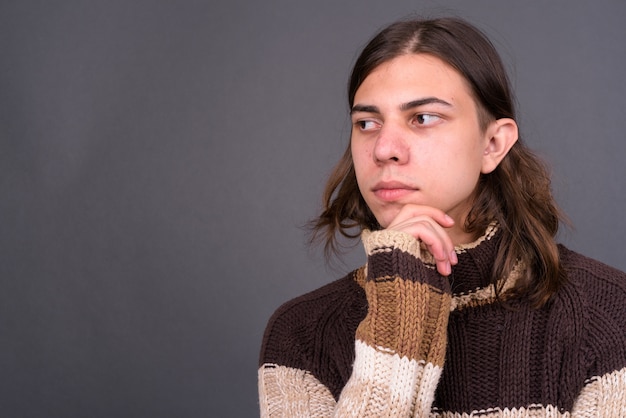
x,y
516,194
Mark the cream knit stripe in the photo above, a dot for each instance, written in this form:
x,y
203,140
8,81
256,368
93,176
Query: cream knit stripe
x,y
381,385
288,392
387,385
605,393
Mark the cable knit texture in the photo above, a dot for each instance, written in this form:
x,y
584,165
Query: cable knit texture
x,y
396,339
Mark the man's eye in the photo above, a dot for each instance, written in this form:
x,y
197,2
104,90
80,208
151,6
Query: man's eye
x,y
426,119
366,125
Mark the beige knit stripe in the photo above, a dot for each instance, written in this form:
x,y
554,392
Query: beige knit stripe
x,y
605,393
429,261
289,392
387,385
533,411
489,233
388,240
385,240
406,318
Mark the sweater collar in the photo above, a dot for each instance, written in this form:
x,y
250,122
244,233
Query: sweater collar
x,y
476,259
471,280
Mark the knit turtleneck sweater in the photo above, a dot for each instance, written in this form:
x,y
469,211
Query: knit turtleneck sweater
x,y
396,339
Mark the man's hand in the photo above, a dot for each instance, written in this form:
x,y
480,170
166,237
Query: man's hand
x,y
428,224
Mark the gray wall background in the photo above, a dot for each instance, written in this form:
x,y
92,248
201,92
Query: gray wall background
x,y
158,158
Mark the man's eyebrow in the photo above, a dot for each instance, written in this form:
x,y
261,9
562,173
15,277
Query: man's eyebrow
x,y
405,106
364,108
422,102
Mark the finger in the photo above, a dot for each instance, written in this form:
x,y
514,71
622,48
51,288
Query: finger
x,y
439,248
432,234
434,237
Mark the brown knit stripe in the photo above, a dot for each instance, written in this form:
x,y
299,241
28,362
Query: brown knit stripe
x,y
383,266
406,318
532,411
603,396
486,295
360,275
393,253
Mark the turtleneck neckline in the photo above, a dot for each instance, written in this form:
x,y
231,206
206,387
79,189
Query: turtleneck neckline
x,y
471,280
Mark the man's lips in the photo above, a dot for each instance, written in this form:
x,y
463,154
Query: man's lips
x,y
392,190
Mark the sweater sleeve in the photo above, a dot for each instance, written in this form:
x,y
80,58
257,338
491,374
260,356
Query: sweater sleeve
x,y
399,346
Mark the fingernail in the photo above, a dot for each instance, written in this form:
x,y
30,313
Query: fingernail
x,y
453,257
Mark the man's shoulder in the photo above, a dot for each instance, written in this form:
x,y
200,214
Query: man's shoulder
x,y
592,275
594,294
328,300
304,322
592,306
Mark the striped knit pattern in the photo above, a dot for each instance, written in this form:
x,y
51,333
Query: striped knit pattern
x,y
400,345
396,339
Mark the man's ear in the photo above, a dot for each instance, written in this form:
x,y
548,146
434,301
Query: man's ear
x,y
501,135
